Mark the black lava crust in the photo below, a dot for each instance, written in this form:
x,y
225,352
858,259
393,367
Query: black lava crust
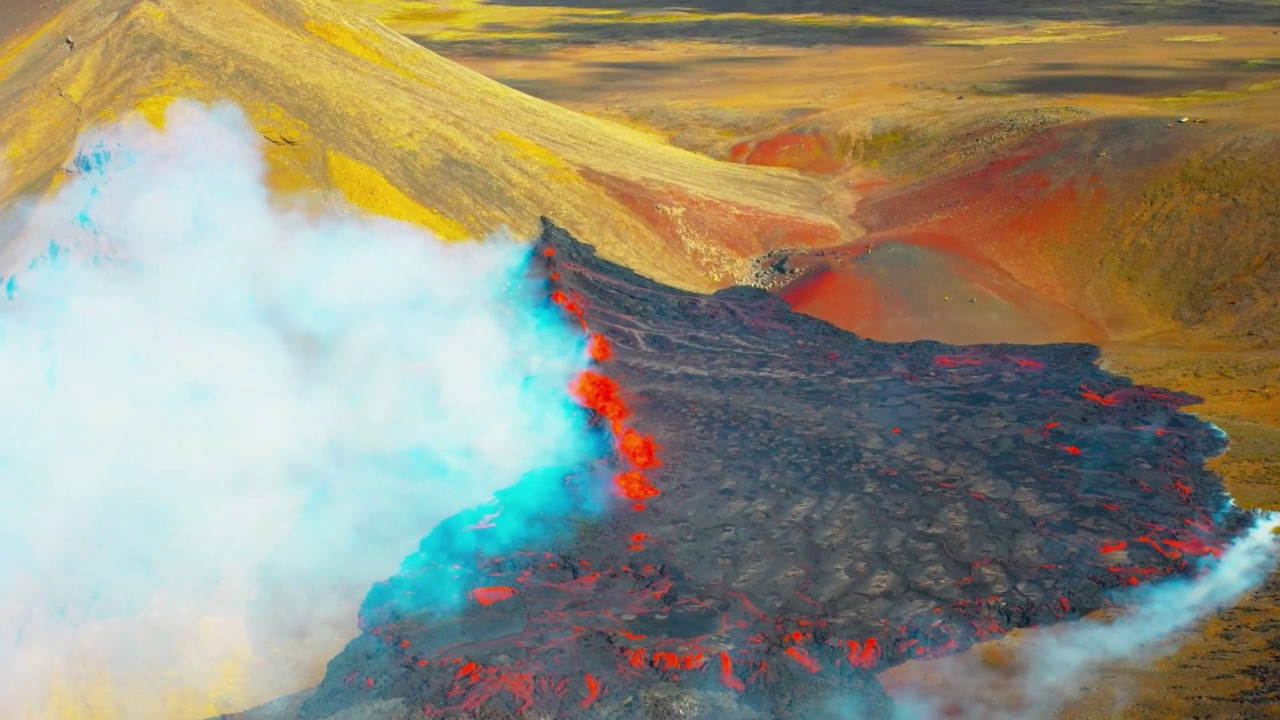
x,y
829,506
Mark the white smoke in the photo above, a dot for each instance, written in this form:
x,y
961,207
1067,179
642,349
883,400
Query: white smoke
x,y
224,421
1050,665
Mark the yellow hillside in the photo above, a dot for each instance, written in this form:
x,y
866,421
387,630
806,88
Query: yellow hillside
x,y
345,104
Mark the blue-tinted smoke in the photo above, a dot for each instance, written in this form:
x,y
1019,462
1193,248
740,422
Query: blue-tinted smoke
x,y
225,420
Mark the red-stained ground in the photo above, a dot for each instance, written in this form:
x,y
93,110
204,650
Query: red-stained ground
x,y
910,286
980,254
806,152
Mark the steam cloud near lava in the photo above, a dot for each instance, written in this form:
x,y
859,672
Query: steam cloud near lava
x,y
226,420
1049,667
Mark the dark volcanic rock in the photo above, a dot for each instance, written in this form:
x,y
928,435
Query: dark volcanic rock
x,y
829,505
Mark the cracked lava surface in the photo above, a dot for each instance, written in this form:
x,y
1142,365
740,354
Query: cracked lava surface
x,y
792,508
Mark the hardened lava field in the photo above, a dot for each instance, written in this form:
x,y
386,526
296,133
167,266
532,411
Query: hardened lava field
x,y
796,507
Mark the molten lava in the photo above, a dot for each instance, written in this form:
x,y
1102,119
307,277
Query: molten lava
x,y
491,595
601,394
599,348
639,449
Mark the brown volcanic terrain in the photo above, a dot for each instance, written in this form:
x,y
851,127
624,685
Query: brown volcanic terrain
x,y
18,15
1026,175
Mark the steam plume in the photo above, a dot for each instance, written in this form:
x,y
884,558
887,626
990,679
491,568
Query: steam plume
x,y
225,421
1049,666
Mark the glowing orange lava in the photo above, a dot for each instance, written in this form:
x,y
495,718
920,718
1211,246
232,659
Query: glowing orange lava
x,y
599,393
635,485
491,595
864,655
639,449
600,349
593,691
730,680
803,657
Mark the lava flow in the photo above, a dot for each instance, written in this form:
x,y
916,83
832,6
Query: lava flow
x,y
824,506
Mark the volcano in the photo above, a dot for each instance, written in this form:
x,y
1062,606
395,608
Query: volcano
x,y
791,508
794,508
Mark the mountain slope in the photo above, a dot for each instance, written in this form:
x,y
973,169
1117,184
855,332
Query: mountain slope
x,y
346,104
